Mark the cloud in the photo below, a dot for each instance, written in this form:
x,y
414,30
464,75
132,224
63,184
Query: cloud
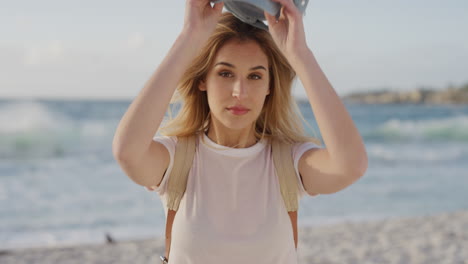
x,y
23,22
46,54
136,41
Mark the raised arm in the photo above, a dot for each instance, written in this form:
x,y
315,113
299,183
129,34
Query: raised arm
x,y
133,146
344,160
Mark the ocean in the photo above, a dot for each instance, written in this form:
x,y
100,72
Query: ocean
x,y
60,185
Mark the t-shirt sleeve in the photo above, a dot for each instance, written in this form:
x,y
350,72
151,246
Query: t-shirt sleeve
x,y
298,151
170,144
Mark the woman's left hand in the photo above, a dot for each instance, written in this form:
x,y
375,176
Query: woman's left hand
x,y
288,32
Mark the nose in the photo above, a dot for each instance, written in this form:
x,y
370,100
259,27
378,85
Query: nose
x,y
240,90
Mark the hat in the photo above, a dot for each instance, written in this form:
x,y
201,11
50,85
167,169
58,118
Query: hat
x,y
251,11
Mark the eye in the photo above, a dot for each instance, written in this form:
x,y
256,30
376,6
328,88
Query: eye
x,y
256,76
225,74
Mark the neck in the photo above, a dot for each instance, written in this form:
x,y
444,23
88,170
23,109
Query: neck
x,y
232,138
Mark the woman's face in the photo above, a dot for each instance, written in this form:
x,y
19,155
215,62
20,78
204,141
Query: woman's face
x,y
238,77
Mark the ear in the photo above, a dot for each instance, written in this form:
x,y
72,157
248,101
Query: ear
x,y
202,85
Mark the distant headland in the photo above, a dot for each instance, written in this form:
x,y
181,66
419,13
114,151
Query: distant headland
x,y
449,95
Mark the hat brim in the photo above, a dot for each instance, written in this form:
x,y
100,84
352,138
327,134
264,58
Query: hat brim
x,y
252,11
269,6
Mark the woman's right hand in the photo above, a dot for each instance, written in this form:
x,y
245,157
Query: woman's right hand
x,y
201,17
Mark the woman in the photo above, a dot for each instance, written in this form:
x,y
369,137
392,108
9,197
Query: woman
x,y
235,81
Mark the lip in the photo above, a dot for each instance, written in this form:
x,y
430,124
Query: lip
x,y
238,110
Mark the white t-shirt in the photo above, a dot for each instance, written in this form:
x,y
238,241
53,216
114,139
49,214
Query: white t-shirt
x,y
232,211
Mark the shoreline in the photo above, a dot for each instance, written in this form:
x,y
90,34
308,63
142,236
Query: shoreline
x,y
448,96
435,238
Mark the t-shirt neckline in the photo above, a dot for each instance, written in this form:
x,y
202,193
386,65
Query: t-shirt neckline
x,y
233,152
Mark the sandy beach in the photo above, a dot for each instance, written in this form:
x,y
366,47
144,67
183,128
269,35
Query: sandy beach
x,y
434,239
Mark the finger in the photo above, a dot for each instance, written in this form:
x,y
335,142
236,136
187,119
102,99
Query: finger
x,y
218,6
270,19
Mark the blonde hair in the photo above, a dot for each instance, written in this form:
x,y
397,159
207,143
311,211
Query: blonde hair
x,y
280,117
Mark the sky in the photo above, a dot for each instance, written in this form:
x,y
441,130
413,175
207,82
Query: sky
x,y
109,49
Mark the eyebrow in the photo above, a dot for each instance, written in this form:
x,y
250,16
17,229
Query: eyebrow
x,y
232,66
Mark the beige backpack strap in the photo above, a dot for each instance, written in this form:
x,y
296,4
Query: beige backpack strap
x,y
284,164
177,182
